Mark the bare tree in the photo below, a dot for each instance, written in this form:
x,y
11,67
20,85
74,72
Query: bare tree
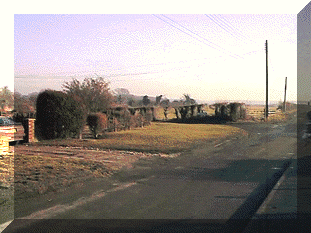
x,y
94,93
122,91
165,103
6,98
131,102
189,100
23,104
158,99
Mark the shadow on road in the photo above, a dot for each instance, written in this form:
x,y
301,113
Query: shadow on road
x,y
250,170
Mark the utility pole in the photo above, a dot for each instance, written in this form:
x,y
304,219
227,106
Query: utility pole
x,y
267,109
284,107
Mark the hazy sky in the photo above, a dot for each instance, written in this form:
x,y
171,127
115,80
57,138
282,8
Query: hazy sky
x,y
211,57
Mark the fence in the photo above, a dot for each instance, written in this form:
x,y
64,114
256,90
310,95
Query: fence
x,y
256,113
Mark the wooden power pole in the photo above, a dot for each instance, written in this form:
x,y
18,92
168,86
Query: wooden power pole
x,y
267,109
284,107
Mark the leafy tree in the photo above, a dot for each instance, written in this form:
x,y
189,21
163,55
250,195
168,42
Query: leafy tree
x,y
94,93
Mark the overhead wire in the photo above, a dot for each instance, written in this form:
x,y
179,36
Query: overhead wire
x,y
239,32
229,26
211,18
202,38
198,35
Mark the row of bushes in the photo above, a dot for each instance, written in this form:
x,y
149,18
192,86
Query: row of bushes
x,y
99,123
60,115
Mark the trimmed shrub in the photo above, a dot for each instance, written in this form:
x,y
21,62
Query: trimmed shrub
x,y
243,112
116,124
138,119
58,115
148,117
133,123
97,123
126,119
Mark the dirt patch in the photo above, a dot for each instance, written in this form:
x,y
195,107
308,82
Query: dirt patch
x,y
42,169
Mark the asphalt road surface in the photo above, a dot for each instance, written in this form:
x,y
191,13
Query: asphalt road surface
x,y
200,190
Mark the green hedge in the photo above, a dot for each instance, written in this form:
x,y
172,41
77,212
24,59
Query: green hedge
x,y
58,115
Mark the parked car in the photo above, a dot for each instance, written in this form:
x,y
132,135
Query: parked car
x,y
13,130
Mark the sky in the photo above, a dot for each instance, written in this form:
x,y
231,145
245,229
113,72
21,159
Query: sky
x,y
219,55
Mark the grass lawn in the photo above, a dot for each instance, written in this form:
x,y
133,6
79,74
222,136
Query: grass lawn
x,y
158,137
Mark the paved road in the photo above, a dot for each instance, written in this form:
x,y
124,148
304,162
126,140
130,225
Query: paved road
x,y
287,208
209,183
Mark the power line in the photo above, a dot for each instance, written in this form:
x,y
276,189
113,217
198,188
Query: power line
x,y
219,25
196,33
230,26
183,31
204,39
239,32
